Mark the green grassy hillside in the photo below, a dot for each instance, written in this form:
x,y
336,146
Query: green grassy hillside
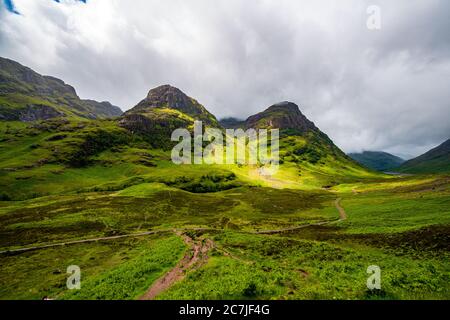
x,y
28,96
436,160
104,195
375,160
58,156
399,225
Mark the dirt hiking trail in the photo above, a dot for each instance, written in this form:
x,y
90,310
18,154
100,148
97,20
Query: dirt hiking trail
x,y
342,213
196,256
59,244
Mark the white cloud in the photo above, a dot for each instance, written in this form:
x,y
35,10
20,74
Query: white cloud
x,y
382,90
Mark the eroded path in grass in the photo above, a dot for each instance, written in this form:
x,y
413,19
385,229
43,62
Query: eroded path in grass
x,y
59,244
197,256
337,204
342,213
321,223
193,259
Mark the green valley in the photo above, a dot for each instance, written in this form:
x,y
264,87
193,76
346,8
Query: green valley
x,y
101,192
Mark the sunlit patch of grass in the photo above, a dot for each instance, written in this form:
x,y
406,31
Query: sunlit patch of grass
x,y
397,222
284,268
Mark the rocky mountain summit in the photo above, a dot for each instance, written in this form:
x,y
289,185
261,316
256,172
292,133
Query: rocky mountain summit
x,y
165,109
28,96
168,97
283,115
297,132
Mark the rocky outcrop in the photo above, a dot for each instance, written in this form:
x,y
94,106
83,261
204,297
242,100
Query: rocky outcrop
x,y
38,112
170,97
284,115
31,112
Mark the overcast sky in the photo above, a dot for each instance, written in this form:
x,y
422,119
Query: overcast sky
x,y
386,89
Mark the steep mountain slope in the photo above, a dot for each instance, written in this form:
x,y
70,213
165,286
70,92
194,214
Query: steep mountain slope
x,y
28,96
168,97
377,160
284,115
165,109
436,160
303,145
73,154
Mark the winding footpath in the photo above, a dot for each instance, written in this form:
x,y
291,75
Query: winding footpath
x,y
60,244
195,257
337,204
192,260
342,213
198,255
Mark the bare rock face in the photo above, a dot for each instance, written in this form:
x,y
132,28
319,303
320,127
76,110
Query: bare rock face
x,y
284,115
170,97
38,112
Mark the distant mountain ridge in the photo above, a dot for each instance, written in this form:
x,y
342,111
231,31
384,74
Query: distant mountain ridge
x,y
437,160
104,108
232,123
167,108
377,160
26,95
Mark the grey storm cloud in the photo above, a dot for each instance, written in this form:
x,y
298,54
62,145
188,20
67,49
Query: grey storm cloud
x,y
385,89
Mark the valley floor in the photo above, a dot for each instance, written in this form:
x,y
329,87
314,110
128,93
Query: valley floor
x,y
151,241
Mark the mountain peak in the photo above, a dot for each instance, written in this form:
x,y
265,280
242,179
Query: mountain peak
x,y
167,96
287,105
282,115
165,90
